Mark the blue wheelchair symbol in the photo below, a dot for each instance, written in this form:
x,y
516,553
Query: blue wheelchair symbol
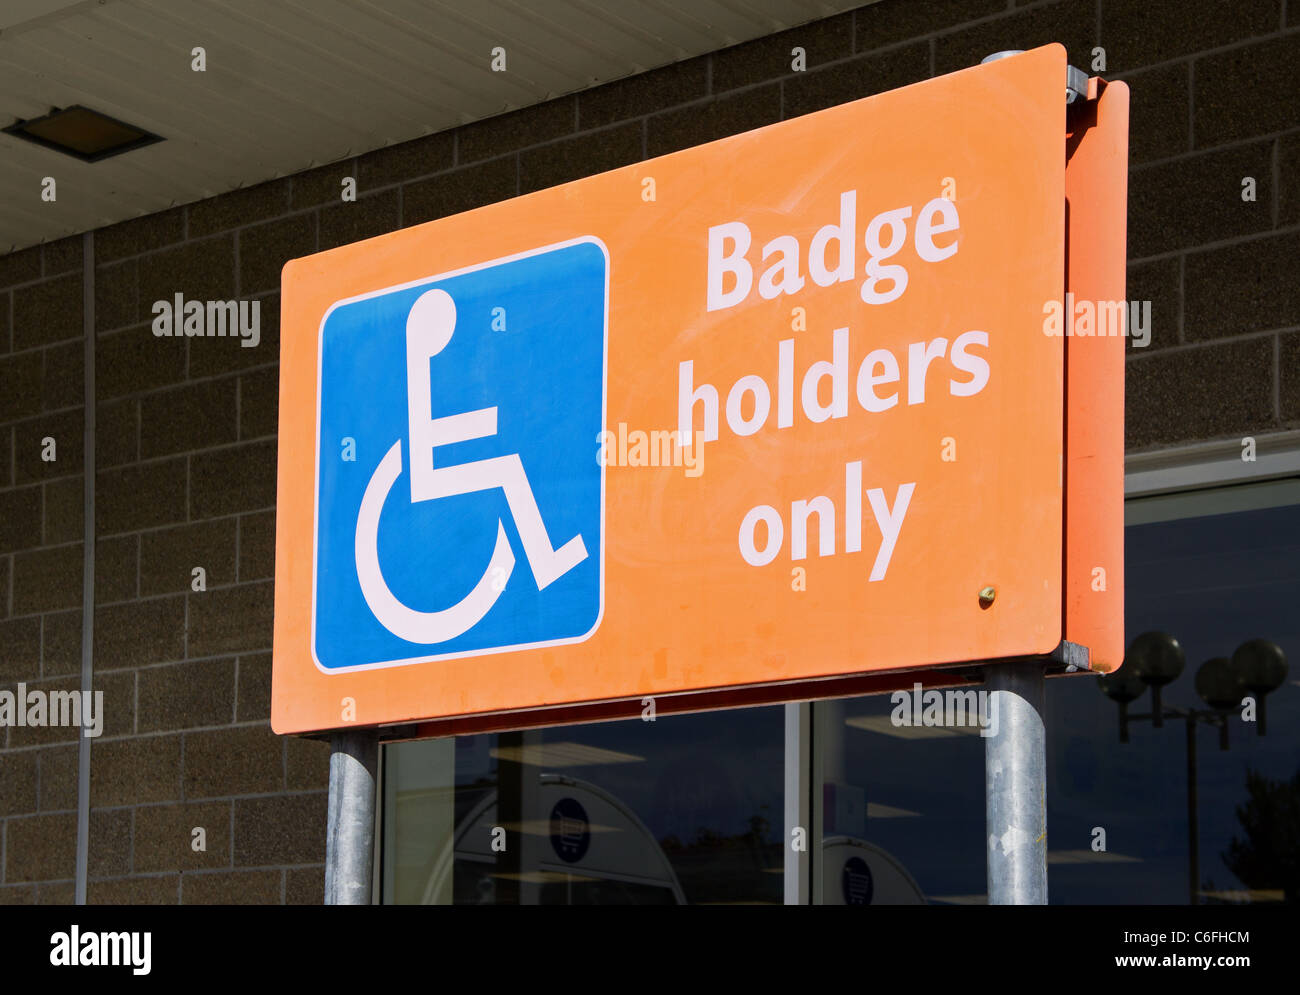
x,y
484,389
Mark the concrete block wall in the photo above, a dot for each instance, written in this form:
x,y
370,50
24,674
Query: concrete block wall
x,y
42,366
185,439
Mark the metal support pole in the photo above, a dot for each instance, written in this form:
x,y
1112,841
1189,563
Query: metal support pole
x,y
1015,757
1015,785
350,826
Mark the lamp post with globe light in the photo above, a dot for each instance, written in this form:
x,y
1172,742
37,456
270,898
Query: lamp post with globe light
x,y
1256,668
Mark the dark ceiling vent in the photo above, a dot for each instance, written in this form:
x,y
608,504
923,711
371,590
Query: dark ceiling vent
x,y
82,133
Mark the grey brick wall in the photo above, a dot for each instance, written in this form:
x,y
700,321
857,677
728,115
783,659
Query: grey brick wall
x,y
185,443
41,531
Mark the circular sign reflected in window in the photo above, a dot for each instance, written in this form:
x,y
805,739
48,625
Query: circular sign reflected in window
x,y
570,830
856,883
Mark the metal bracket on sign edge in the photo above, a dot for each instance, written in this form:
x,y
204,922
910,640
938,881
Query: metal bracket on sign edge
x,y
1076,80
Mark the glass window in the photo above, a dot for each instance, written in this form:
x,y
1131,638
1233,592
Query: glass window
x,y
690,808
901,817
1170,816
1205,785
684,809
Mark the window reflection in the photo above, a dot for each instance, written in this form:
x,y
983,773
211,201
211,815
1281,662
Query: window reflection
x,y
685,809
1215,583
689,809
1119,825
901,806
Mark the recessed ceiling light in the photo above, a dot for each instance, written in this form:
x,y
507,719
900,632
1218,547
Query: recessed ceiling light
x,y
562,754
1089,857
80,132
884,725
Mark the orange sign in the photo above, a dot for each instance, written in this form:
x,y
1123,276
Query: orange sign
x,y
776,409
1096,190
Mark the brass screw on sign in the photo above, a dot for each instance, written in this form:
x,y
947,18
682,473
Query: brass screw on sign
x,y
987,595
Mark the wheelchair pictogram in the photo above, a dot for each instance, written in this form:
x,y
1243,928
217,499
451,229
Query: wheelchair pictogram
x,y
459,504
429,327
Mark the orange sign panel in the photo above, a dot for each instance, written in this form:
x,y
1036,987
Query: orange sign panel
x,y
774,409
1096,191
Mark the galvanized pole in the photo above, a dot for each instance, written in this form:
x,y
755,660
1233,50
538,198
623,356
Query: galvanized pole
x,y
350,825
1015,757
1015,785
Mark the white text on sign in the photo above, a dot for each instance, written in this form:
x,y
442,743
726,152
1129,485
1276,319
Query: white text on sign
x,y
881,380
729,247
